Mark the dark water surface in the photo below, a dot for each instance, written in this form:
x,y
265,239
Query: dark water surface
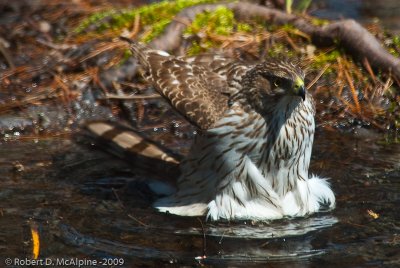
x,y
65,191
387,12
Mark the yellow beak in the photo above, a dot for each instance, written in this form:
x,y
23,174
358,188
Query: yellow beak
x,y
299,88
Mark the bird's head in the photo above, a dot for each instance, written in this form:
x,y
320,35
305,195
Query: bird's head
x,y
271,80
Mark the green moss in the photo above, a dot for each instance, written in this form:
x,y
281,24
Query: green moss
x,y
156,30
127,54
321,59
97,20
396,41
281,50
198,47
220,21
287,27
276,50
244,27
394,47
319,22
394,52
194,49
155,17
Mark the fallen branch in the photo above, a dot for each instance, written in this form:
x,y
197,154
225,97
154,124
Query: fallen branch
x,y
347,33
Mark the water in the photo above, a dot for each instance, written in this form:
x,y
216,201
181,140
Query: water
x,y
366,11
65,190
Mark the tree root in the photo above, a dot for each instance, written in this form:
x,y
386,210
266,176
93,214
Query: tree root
x,y
349,34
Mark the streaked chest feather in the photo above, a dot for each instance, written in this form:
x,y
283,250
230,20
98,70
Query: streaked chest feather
x,y
277,144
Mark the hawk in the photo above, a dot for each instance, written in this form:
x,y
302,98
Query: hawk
x,y
251,157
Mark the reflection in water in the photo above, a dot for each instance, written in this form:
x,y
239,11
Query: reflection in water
x,y
260,230
296,243
92,245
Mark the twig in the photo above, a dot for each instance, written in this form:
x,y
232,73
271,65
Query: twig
x,y
130,97
55,46
355,224
318,76
67,92
291,43
204,241
136,27
222,237
29,100
6,53
369,69
381,89
103,48
123,207
353,91
339,77
346,104
94,73
24,70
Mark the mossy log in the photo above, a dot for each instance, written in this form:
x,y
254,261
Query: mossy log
x,y
348,34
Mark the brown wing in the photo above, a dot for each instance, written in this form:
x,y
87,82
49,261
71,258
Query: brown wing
x,y
217,63
196,92
229,68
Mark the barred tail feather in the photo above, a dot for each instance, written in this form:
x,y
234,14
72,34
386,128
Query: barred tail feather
x,y
129,145
131,141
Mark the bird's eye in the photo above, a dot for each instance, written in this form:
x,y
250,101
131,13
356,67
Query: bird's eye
x,y
277,83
